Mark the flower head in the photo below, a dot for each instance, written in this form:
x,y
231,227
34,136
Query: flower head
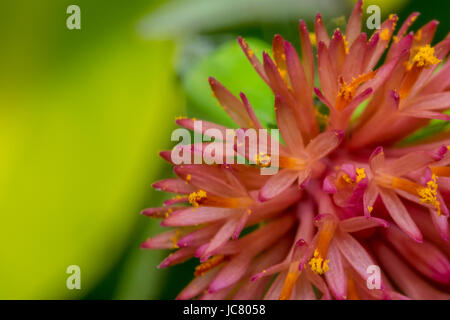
x,y
345,198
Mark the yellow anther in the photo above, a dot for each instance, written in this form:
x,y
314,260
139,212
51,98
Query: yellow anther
x,y
195,197
425,57
370,208
318,264
347,178
251,53
345,44
188,177
347,91
360,174
174,239
208,265
263,159
313,39
428,194
385,34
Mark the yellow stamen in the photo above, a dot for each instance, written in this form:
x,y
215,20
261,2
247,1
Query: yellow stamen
x,y
425,57
385,34
313,39
428,194
195,197
318,264
347,91
347,179
360,174
263,159
174,239
345,44
188,177
208,265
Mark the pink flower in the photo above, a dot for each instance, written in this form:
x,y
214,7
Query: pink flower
x,y
346,201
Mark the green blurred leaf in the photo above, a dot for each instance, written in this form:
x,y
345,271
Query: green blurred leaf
x,y
229,65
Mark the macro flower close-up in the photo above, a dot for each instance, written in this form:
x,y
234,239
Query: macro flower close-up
x,y
354,208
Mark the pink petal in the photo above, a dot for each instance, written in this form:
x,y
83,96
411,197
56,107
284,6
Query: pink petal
x,y
232,105
194,216
221,237
253,59
424,257
177,257
354,23
361,223
336,277
174,185
231,273
277,184
324,143
321,31
411,284
399,214
198,285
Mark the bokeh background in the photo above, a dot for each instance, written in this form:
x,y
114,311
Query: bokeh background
x,y
83,114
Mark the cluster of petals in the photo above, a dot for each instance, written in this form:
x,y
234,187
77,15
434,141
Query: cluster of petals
x,y
346,196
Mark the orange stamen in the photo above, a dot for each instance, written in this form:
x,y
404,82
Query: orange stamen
x,y
347,91
208,265
441,171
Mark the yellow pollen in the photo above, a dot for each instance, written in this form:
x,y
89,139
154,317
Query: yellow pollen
x,y
282,73
347,91
370,208
345,44
194,197
428,194
208,265
318,264
425,57
347,178
251,53
360,174
313,39
263,159
188,177
174,239
180,118
385,34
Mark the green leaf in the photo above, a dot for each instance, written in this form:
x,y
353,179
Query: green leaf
x,y
229,65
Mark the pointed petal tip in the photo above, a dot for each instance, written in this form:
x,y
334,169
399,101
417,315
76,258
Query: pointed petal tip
x,y
377,151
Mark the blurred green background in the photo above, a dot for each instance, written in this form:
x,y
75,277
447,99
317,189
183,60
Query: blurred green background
x,y
83,114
